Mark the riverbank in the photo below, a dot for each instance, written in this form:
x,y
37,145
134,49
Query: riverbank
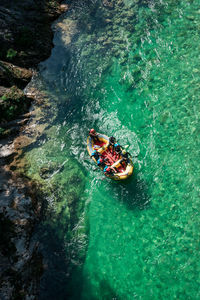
x,y
26,39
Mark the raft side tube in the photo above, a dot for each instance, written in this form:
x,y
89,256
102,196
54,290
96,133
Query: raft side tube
x,y
91,145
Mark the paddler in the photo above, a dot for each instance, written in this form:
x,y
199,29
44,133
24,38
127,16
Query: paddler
x,y
109,170
111,143
117,149
94,135
125,156
101,162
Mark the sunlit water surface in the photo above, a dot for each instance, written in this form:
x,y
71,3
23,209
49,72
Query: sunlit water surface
x,y
135,76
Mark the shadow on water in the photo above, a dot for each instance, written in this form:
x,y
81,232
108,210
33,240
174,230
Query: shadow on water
x,y
106,291
72,292
88,291
63,270
133,193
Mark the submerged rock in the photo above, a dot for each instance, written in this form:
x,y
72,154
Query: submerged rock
x,y
48,170
108,4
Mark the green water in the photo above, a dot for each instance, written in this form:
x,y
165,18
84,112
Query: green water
x,y
132,72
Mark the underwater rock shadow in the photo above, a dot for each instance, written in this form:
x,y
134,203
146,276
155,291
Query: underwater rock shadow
x,y
102,290
132,193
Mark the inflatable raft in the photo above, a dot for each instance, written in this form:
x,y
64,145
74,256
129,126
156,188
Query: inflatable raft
x,y
111,159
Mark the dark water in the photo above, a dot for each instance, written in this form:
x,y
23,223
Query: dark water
x,y
133,72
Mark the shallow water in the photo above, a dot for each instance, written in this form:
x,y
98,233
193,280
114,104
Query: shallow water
x,y
135,76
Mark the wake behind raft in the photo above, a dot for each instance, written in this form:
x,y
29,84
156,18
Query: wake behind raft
x,y
103,153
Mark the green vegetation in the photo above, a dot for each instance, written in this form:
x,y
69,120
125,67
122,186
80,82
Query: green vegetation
x,y
2,132
11,53
4,97
13,103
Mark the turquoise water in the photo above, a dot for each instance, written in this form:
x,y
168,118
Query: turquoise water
x,y
133,72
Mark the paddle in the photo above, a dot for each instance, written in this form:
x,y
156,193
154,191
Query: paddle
x,y
126,146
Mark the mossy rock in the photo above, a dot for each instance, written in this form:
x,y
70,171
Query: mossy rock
x,y
13,102
11,75
4,132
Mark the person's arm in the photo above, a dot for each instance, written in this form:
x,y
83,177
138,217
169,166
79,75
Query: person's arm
x,y
114,170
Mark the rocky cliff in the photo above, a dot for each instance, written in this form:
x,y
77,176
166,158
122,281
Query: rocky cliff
x,y
25,39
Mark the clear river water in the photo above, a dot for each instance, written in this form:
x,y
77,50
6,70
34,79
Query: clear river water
x,y
130,69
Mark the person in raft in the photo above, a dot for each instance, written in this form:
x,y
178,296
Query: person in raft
x,y
95,154
125,156
109,171
111,143
118,150
101,162
94,135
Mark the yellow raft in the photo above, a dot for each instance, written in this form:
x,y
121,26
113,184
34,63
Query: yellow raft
x,y
102,147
